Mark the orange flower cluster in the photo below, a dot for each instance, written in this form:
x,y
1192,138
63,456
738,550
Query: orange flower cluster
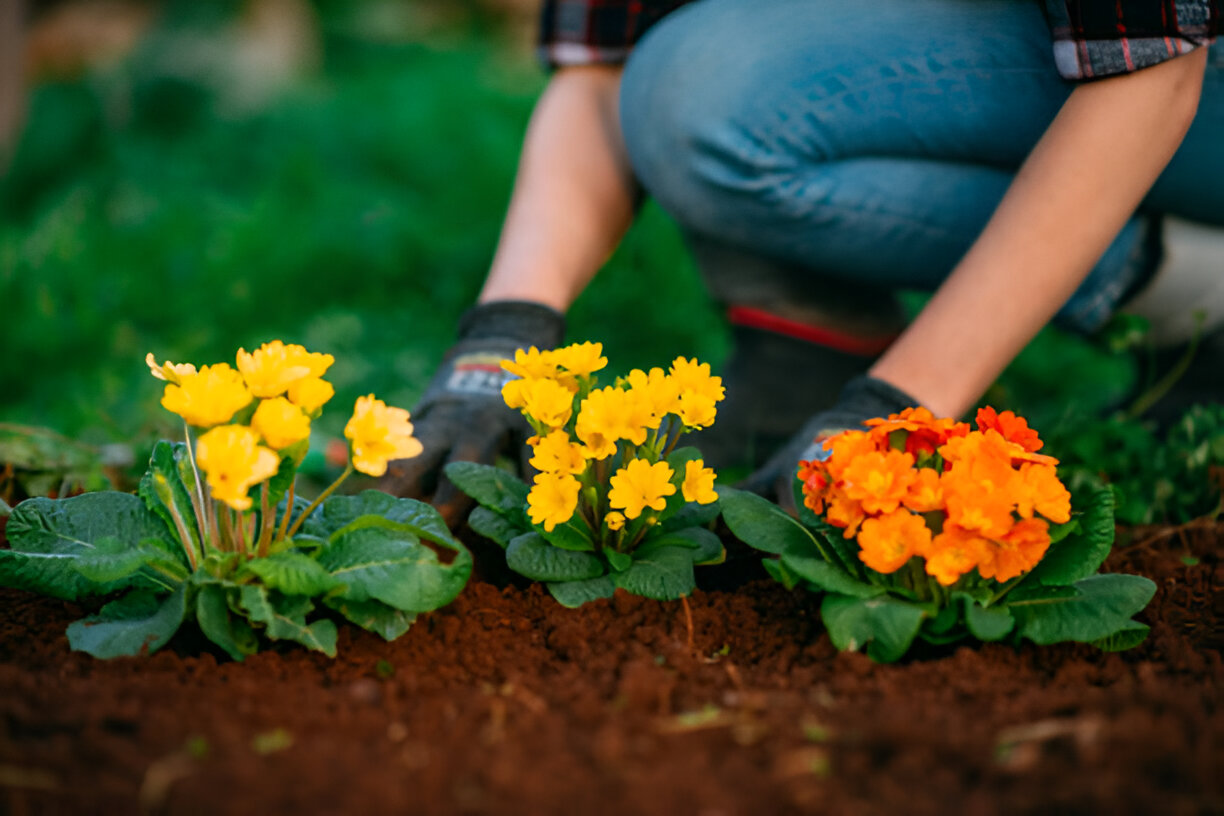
x,y
914,485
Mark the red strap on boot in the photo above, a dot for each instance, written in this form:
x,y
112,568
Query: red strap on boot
x,y
821,336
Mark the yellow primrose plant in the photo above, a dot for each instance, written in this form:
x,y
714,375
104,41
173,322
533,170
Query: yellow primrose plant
x,y
614,502
216,534
921,528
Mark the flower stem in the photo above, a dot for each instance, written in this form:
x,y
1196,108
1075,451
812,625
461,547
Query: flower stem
x,y
197,496
240,523
310,509
184,534
280,535
266,522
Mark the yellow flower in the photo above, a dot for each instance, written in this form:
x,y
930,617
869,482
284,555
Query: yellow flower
x,y
209,397
379,434
659,392
274,366
280,423
547,401
614,520
608,415
311,393
581,359
696,410
168,371
698,485
553,499
234,461
639,485
695,377
555,453
532,364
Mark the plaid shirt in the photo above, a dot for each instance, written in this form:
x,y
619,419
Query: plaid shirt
x,y
1092,38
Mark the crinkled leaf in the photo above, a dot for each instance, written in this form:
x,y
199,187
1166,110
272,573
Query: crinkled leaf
x,y
47,535
374,616
494,488
293,573
762,524
391,565
531,556
284,618
485,522
164,492
801,560
113,560
663,573
1103,607
229,631
885,626
706,547
574,594
1026,592
572,535
1081,554
375,508
619,561
1125,638
139,622
988,623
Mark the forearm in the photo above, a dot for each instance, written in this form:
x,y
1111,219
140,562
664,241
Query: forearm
x,y
1069,200
573,196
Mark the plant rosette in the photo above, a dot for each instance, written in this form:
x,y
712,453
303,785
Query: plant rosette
x,y
920,528
216,534
615,502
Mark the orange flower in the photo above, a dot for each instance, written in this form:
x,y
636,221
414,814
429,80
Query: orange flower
x,y
925,493
843,511
889,541
1040,490
1017,552
879,480
815,478
847,446
919,421
1011,427
954,552
978,508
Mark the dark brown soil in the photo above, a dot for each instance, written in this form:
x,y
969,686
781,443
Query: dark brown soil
x,y
506,703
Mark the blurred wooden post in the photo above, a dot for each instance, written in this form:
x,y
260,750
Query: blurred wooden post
x,y
12,77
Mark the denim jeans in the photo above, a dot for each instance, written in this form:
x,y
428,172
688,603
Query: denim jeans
x,y
867,142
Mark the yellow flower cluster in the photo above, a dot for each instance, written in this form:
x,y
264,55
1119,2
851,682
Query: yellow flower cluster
x,y
580,427
916,486
264,406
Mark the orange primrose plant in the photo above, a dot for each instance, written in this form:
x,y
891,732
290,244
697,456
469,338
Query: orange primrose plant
x,y
920,527
216,535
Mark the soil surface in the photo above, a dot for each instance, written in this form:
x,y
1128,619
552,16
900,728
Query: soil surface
x,y
505,703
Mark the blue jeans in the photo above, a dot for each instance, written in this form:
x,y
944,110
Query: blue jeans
x,y
867,142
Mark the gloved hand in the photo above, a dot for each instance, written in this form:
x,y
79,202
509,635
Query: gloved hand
x,y
462,416
862,398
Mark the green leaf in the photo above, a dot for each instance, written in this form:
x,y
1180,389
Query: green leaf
x,y
375,508
1103,607
778,571
1127,637
884,625
494,488
293,573
707,548
531,556
573,594
112,560
664,574
290,460
571,535
47,535
374,616
284,618
165,493
619,561
762,524
988,623
139,622
1080,554
692,515
800,560
485,522
230,632
391,565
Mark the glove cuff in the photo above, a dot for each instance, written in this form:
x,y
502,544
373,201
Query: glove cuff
x,y
522,322
866,397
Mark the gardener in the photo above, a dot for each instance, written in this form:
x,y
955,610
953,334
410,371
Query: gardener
x,y
820,155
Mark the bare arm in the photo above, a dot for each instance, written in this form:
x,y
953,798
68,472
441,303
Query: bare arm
x,y
574,194
1070,199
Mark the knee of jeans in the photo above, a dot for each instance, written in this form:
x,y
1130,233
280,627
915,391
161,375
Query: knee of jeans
x,y
693,124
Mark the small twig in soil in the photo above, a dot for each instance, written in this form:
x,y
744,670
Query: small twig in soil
x,y
688,621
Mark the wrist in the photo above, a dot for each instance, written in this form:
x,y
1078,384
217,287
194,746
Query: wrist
x,y
520,322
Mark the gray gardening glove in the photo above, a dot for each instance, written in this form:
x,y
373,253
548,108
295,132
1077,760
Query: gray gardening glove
x,y
862,398
462,417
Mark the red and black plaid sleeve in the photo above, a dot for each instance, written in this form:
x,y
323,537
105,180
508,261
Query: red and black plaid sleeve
x,y
584,32
1099,38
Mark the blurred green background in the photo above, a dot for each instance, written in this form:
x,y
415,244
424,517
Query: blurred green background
x,y
328,173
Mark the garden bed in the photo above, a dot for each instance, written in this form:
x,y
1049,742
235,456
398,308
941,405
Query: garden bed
x,y
505,702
